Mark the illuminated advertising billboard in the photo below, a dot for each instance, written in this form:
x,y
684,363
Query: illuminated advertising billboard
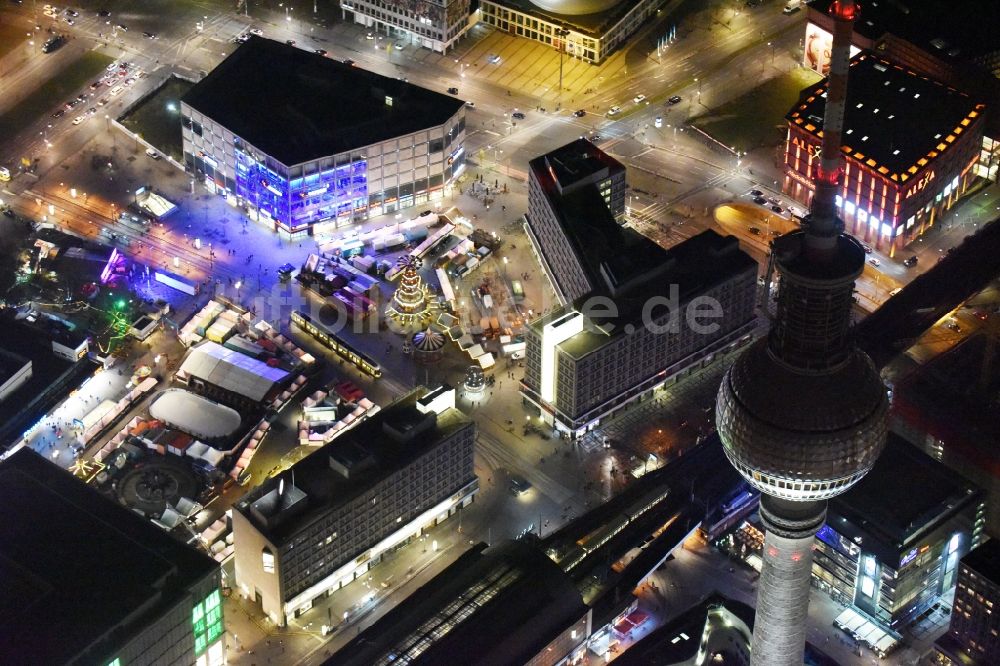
x,y
817,47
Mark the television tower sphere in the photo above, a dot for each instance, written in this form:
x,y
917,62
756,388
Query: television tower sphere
x,y
801,436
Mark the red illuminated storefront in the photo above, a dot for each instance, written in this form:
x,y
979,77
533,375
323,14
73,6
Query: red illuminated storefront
x,y
907,159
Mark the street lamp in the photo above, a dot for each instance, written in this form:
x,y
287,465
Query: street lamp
x,y
561,33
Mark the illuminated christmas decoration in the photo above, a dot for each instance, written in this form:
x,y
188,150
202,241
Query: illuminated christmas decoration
x,y
475,380
412,305
85,469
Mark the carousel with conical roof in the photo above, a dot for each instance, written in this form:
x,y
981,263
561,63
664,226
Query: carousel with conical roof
x,y
412,306
428,346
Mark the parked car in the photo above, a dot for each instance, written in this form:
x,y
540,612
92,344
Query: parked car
x,y
452,91
321,52
517,115
867,249
760,201
754,230
874,262
348,61
778,209
756,193
59,113
290,42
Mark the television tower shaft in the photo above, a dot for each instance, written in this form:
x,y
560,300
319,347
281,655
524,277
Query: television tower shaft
x,y
824,223
803,414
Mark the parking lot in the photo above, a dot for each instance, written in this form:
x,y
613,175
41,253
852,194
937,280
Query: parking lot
x,y
89,65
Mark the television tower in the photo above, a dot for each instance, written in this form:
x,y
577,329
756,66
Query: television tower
x,y
802,413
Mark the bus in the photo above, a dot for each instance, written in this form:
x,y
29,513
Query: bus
x,y
338,346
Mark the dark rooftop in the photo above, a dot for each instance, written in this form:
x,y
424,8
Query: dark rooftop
x,y
691,267
985,560
297,105
10,364
896,121
81,574
905,494
948,399
960,29
573,162
496,606
614,257
729,641
17,411
348,465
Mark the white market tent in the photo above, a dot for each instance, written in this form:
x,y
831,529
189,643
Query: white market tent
x,y
231,370
194,414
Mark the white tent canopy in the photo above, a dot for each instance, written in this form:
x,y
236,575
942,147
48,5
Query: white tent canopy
x,y
231,370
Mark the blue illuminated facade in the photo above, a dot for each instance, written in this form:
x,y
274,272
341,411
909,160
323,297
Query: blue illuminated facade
x,y
332,191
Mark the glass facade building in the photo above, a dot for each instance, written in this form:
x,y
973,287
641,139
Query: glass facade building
x,y
340,189
300,161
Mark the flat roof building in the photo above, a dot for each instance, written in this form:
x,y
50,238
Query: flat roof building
x,y
589,30
503,605
943,39
891,544
629,320
974,633
951,41
326,143
329,518
945,406
912,147
576,204
52,377
15,370
87,581
433,25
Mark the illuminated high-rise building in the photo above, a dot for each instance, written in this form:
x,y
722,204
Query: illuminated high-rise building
x,y
802,413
